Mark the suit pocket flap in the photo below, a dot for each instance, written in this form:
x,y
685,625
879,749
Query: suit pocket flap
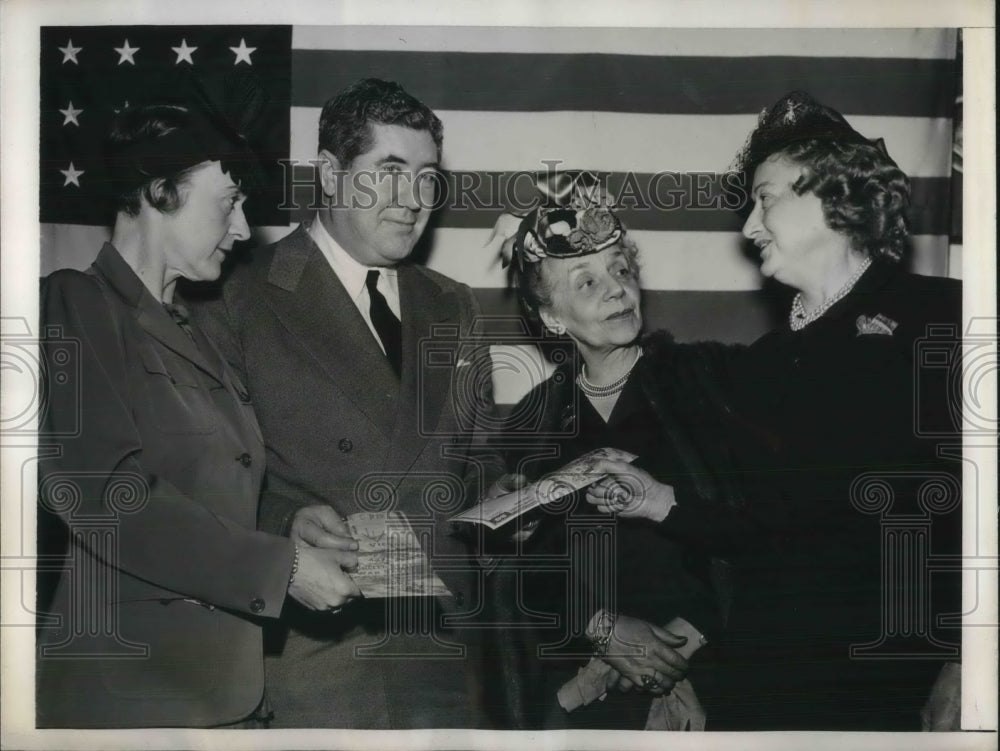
x,y
174,368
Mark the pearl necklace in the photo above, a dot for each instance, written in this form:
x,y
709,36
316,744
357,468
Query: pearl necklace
x,y
798,318
612,389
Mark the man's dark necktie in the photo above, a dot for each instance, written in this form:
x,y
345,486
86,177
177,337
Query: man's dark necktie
x,y
389,329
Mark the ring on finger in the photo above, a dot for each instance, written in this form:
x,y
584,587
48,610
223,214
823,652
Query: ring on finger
x,y
649,681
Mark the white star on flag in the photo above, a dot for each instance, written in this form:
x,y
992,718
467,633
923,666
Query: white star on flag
x,y
72,175
117,69
243,53
69,53
127,53
70,114
184,53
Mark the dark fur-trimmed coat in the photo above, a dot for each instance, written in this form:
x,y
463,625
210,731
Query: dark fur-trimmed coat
x,y
675,396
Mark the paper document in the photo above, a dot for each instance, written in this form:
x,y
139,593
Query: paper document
x,y
391,562
572,477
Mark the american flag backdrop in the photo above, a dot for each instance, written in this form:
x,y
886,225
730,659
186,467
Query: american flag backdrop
x,y
89,73
659,112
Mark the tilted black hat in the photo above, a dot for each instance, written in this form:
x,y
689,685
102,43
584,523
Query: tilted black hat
x,y
795,118
209,132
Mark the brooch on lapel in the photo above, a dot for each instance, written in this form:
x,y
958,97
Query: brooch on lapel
x,y
876,324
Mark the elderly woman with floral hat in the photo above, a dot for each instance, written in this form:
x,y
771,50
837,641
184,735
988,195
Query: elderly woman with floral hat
x,y
644,604
836,623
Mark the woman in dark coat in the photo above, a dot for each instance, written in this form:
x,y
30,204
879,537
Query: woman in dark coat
x,y
578,585
156,459
834,625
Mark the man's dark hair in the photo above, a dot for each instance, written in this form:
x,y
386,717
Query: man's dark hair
x,y
344,125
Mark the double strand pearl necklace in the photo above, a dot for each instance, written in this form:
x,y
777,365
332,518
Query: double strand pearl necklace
x,y
612,389
798,319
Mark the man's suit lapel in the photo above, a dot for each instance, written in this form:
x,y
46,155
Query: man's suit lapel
x,y
424,390
314,307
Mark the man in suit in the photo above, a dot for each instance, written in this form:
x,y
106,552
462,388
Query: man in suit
x,y
329,328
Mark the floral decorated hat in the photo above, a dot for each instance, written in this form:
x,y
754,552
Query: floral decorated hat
x,y
573,218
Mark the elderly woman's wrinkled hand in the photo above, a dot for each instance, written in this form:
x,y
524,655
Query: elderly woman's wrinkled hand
x,y
624,684
645,656
628,491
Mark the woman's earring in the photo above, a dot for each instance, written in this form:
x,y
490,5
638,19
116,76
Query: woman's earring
x,y
559,330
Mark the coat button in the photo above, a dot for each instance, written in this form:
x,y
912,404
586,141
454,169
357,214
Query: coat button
x,y
245,459
257,605
345,445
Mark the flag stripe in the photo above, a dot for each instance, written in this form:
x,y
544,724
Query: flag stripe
x,y
500,82
714,261
665,202
69,246
606,141
887,43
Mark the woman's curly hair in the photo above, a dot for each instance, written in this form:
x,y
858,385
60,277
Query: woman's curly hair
x,y
865,196
864,193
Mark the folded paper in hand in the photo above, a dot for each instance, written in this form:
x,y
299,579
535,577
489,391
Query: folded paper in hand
x,y
391,562
576,475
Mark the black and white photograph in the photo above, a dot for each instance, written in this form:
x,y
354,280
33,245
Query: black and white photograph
x,y
470,377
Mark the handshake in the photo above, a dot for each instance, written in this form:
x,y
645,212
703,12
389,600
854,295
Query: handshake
x,y
325,551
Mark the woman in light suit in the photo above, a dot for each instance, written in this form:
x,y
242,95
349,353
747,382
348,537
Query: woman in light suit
x,y
157,457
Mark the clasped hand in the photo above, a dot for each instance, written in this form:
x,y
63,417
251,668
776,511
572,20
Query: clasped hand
x,y
326,552
644,656
628,491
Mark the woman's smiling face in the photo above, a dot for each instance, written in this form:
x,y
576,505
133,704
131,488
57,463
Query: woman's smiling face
x,y
789,229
